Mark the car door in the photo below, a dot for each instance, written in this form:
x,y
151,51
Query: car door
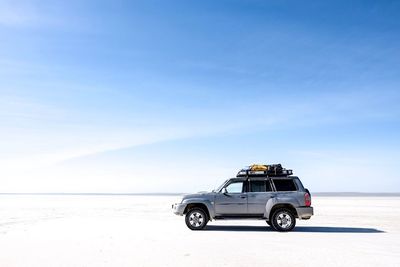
x,y
233,201
259,192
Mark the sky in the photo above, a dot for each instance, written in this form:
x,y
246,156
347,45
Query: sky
x,y
177,96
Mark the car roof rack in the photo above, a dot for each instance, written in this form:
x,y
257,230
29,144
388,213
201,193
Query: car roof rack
x,y
258,170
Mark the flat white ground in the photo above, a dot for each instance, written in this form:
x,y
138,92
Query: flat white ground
x,y
142,231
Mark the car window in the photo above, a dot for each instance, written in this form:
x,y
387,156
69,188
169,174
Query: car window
x,y
259,186
235,187
284,185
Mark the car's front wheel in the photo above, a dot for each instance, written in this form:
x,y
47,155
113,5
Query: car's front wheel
x,y
196,219
283,220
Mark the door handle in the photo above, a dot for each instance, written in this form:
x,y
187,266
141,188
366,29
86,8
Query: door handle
x,y
242,196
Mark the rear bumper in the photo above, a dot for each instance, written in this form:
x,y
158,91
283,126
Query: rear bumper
x,y
178,208
305,212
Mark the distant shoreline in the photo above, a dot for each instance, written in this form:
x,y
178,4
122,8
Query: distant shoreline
x,y
320,194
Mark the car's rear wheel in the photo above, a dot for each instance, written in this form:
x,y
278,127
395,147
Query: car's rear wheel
x,y
283,220
269,223
196,219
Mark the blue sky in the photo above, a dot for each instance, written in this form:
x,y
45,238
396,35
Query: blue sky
x,y
175,96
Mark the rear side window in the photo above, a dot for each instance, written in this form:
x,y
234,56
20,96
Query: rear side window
x,y
259,186
284,185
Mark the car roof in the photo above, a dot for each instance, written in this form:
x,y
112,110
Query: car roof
x,y
262,178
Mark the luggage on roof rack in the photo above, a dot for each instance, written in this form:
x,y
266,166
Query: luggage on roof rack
x,y
259,167
264,170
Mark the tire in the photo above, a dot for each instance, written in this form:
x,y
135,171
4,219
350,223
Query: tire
x,y
196,219
269,223
283,220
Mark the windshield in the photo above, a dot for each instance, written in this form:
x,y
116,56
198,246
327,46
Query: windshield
x,y
220,187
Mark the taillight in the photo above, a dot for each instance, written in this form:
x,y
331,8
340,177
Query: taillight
x,y
307,199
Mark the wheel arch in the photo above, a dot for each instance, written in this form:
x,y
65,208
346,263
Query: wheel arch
x,y
287,206
201,205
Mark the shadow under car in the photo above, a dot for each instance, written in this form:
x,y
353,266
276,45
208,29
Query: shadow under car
x,y
305,229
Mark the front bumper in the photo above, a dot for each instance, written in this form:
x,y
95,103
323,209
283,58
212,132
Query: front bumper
x,y
305,212
178,208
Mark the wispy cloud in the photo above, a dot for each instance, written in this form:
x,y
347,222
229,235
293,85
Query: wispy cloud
x,y
55,134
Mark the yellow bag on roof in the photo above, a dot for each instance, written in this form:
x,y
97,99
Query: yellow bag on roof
x,y
258,167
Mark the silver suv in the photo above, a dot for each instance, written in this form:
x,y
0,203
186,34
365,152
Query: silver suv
x,y
278,200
